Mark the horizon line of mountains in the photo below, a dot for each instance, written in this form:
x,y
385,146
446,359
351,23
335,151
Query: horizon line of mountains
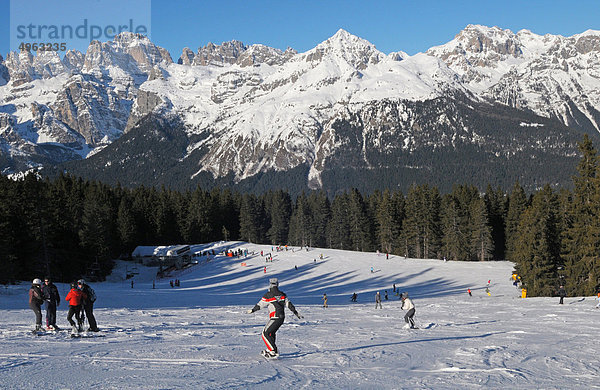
x,y
488,107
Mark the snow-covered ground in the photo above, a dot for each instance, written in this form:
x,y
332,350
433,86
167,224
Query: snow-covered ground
x,y
198,336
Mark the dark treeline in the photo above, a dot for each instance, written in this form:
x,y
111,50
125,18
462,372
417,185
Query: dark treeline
x,y
68,227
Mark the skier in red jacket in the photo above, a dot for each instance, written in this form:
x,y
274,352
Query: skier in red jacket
x,y
276,301
75,298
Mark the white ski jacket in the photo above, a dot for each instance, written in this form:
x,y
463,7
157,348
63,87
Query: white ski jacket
x,y
407,304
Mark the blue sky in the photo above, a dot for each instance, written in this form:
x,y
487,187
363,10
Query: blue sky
x,y
410,26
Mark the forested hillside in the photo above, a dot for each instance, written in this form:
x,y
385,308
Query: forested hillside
x,y
68,227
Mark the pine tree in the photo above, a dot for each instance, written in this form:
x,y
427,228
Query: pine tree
x,y
495,201
320,215
301,226
339,225
481,234
517,203
279,209
387,227
454,240
252,219
581,238
358,222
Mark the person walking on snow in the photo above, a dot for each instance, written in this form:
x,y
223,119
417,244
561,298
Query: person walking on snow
x,y
325,300
74,297
469,291
410,308
276,301
36,298
52,299
562,294
378,300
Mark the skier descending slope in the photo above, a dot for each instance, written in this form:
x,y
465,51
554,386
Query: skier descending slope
x,y
408,305
276,301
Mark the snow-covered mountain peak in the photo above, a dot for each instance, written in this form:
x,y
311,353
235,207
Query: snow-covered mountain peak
x,y
133,53
355,51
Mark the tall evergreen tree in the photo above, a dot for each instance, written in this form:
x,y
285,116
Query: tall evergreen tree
x,y
339,225
386,222
517,203
581,239
320,216
251,219
279,206
495,201
481,233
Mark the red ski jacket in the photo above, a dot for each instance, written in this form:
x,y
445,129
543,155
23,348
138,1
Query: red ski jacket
x,y
75,297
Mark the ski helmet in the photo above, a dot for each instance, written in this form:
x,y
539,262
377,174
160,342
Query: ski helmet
x,y
37,281
81,281
273,282
404,295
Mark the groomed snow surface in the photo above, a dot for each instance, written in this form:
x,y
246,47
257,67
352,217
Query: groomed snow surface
x,y
198,336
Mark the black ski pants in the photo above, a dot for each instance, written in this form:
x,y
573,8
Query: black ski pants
x,y
50,313
88,307
268,333
37,309
76,311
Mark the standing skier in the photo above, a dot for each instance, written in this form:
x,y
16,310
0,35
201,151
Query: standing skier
x,y
562,294
325,300
408,305
36,298
378,300
88,304
74,297
52,299
276,301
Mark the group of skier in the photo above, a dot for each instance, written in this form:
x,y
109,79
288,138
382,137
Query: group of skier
x,y
81,300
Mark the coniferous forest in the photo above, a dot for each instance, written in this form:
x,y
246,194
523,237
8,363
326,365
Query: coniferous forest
x,y
68,227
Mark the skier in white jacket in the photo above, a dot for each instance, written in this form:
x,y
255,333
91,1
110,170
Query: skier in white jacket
x,y
410,307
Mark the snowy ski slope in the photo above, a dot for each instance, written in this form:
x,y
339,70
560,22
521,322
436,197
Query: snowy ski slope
x,y
199,336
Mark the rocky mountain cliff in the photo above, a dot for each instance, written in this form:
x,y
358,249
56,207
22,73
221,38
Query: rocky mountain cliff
x,y
250,111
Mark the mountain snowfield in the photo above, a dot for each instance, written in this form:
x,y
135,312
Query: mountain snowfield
x,y
253,109
199,336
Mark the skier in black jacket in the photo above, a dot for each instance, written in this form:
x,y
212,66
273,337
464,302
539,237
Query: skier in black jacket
x,y
36,298
88,304
276,301
52,299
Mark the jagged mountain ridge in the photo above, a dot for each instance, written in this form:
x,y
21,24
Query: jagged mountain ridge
x,y
250,110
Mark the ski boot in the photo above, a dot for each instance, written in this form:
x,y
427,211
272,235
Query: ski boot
x,y
269,354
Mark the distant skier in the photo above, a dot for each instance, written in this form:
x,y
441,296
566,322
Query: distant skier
x,y
487,291
562,294
36,298
469,291
371,269
354,296
598,299
52,299
386,295
378,300
276,301
325,300
410,307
